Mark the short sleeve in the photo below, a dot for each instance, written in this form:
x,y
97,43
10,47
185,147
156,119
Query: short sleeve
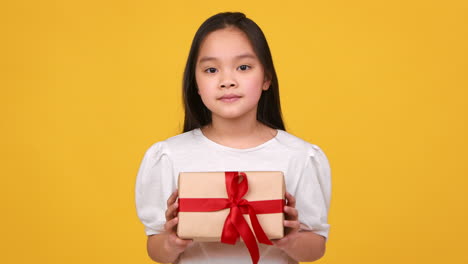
x,y
154,184
313,193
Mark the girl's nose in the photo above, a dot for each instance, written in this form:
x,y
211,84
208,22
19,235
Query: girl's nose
x,y
228,84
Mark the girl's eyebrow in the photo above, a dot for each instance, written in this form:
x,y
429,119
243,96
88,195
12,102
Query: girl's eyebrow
x,y
246,55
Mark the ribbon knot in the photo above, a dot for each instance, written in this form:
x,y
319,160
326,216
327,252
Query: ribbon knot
x,y
242,202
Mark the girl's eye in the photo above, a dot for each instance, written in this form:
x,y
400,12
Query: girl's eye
x,y
244,67
210,70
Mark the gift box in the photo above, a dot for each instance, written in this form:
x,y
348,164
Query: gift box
x,y
212,203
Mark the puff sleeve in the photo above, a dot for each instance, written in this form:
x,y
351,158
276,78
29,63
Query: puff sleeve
x,y
313,192
154,184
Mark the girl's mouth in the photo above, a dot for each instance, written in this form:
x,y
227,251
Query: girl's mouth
x,y
230,98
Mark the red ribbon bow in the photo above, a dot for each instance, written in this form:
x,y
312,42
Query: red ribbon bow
x,y
235,224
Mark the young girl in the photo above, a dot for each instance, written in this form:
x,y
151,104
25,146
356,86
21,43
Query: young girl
x,y
233,123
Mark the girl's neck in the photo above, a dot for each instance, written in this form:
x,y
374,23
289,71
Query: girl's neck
x,y
238,133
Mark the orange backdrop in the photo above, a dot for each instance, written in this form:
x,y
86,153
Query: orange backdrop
x,y
88,86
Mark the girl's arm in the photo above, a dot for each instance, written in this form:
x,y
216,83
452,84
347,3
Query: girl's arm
x,y
166,247
301,246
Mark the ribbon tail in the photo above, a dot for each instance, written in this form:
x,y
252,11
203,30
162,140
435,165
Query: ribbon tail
x,y
246,234
259,233
229,234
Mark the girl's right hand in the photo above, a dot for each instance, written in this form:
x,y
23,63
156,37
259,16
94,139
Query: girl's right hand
x,y
173,242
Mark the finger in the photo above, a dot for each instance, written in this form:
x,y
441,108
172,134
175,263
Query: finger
x,y
179,243
172,238
280,243
292,224
292,213
170,225
183,242
172,198
171,211
291,200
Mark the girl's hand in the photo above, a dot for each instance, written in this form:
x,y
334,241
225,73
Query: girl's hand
x,y
291,223
173,242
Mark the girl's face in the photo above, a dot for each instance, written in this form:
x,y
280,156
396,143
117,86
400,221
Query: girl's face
x,y
229,76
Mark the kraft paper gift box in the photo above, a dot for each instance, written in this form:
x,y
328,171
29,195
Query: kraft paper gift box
x,y
263,186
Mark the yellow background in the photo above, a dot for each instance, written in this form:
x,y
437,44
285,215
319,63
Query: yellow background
x,y
88,86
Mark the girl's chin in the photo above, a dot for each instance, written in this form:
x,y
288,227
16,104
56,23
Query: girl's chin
x,y
231,116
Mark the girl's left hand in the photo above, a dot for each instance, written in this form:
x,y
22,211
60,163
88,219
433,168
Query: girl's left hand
x,y
291,222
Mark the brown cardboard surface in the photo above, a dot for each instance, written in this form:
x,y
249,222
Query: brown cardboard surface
x,y
208,226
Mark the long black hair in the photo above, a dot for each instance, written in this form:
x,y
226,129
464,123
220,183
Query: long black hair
x,y
197,114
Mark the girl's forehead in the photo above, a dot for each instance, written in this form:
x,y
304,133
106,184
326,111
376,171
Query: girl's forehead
x,y
225,43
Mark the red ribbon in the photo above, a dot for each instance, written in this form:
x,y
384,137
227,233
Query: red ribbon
x,y
235,224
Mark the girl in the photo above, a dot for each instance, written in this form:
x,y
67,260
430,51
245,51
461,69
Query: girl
x,y
233,123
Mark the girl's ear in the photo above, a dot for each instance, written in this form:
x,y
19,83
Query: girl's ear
x,y
266,84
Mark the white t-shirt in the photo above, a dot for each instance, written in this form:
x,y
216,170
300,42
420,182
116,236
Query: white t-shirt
x,y
305,167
